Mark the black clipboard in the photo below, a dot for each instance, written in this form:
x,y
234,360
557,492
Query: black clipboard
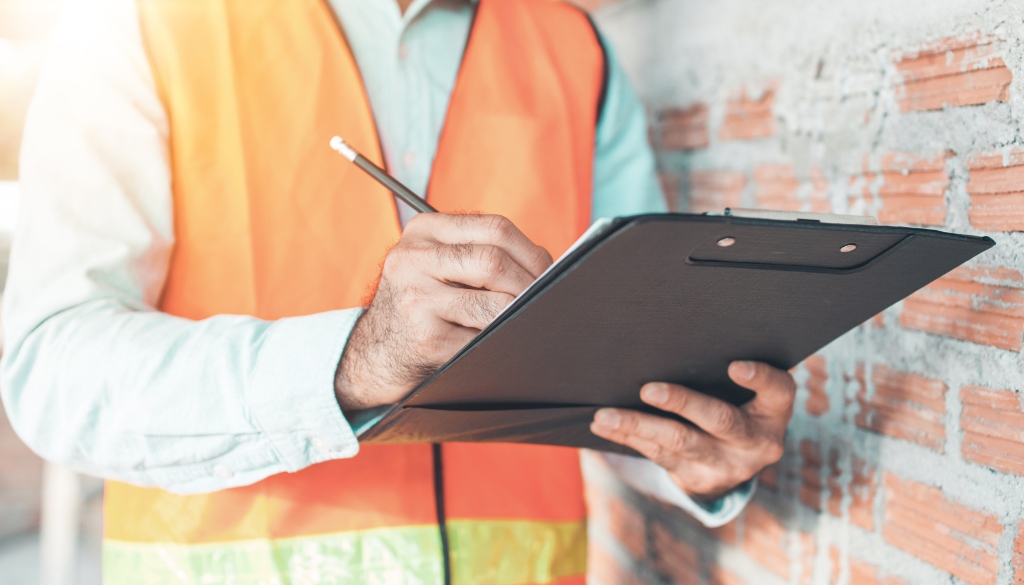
x,y
667,297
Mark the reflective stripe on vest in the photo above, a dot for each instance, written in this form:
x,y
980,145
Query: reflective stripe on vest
x,y
269,222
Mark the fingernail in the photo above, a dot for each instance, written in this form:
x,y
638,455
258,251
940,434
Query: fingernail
x,y
743,370
608,418
655,394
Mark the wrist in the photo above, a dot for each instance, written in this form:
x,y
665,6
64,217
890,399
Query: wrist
x,y
350,395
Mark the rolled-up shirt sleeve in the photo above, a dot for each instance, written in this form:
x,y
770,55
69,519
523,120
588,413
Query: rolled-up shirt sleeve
x,y
93,375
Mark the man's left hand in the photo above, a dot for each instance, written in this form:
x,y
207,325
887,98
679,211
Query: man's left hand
x,y
724,446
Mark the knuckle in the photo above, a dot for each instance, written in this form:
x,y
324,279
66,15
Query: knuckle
x,y
395,261
410,299
627,425
679,400
417,221
500,227
491,260
657,452
680,440
434,344
723,419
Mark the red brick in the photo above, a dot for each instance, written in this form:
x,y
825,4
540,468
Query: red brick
x,y
877,322
996,188
769,476
993,425
620,518
674,558
810,474
748,118
728,533
671,184
808,550
911,189
712,190
862,493
817,399
953,72
683,128
766,540
719,576
862,573
983,304
776,186
862,488
955,538
904,406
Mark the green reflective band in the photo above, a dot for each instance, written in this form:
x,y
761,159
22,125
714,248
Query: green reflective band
x,y
543,552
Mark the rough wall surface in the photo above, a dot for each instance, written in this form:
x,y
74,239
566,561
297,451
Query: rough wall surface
x,y
905,459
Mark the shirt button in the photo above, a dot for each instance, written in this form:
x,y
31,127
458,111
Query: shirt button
x,y
223,472
409,158
320,444
403,51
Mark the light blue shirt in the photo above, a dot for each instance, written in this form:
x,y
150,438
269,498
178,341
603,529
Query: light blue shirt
x,y
409,64
95,377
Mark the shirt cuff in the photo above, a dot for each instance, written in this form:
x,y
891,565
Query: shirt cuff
x,y
649,478
291,391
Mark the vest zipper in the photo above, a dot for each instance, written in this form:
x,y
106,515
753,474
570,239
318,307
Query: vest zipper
x,y
439,505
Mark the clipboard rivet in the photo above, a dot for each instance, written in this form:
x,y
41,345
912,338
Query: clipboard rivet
x,y
726,242
848,248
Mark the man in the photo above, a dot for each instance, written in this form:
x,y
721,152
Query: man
x,y
183,304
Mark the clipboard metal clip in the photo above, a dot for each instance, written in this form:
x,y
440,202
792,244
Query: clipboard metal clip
x,y
778,215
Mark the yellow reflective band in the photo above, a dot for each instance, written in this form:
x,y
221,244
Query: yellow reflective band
x,y
483,552
409,555
544,551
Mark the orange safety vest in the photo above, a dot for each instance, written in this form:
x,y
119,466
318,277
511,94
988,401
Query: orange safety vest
x,y
270,222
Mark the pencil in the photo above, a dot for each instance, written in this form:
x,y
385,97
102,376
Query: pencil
x,y
382,177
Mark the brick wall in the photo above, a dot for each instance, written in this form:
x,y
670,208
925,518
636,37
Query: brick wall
x,y
905,459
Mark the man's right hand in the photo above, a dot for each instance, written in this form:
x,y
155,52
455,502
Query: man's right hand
x,y
445,280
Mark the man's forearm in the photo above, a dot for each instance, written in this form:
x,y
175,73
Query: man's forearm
x,y
189,406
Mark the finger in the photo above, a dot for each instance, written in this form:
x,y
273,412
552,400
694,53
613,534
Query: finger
x,y
479,266
474,309
715,417
648,449
775,388
664,441
484,229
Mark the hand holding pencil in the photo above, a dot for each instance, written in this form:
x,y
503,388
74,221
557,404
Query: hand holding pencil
x,y
445,280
